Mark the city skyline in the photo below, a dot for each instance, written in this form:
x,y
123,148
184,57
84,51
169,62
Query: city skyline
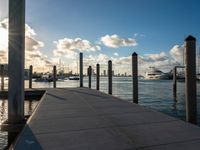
x,y
56,31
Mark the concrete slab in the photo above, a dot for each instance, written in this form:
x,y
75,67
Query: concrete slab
x,y
81,118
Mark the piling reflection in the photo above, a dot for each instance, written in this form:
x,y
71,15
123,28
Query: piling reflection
x,y
6,138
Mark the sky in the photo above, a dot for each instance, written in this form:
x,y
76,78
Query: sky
x,y
57,31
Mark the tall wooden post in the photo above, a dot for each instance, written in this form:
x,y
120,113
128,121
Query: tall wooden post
x,y
30,76
89,76
81,70
16,61
2,77
98,76
110,77
190,79
54,76
174,81
135,77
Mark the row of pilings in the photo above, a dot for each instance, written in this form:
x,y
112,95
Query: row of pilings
x,y
89,72
190,83
190,78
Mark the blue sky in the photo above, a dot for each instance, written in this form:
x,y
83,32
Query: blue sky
x,y
155,25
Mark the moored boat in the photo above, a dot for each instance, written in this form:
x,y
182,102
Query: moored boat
x,y
155,74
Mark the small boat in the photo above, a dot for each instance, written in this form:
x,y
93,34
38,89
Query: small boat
x,y
44,78
73,77
155,74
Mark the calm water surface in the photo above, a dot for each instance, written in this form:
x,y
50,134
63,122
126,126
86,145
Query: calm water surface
x,y
156,95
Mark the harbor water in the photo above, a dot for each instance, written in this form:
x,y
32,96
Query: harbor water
x,y
153,94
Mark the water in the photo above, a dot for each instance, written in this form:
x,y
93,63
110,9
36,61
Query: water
x,y
156,95
29,107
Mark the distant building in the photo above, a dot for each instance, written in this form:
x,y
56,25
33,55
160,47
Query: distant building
x,y
5,69
113,73
104,72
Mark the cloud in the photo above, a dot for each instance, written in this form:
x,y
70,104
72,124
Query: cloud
x,y
155,57
177,53
33,54
94,59
116,54
114,41
69,46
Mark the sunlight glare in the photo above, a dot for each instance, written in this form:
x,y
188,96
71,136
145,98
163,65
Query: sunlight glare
x,y
3,38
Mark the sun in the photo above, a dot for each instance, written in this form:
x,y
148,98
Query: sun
x,y
3,38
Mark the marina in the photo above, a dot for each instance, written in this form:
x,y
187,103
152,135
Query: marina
x,y
102,101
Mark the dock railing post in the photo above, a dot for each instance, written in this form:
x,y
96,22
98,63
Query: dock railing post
x,y
54,76
89,76
16,61
98,76
30,76
174,81
110,77
2,77
135,77
81,70
190,79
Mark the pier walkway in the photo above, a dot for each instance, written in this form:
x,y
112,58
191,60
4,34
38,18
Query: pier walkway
x,y
85,119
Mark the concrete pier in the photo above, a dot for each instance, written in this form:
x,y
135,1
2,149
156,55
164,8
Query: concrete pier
x,y
110,77
135,77
16,61
81,69
97,76
190,79
30,76
86,119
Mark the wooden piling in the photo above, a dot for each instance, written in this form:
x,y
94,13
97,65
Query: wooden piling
x,y
190,79
16,61
54,76
110,77
89,76
2,77
97,76
135,77
81,70
174,81
30,76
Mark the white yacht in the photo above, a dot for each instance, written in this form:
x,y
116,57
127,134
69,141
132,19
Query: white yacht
x,y
155,74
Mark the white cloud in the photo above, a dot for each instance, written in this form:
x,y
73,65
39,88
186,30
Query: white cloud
x,y
156,57
116,54
69,46
114,41
177,53
33,54
94,59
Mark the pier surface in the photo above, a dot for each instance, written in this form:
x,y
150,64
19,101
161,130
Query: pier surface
x,y
85,119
